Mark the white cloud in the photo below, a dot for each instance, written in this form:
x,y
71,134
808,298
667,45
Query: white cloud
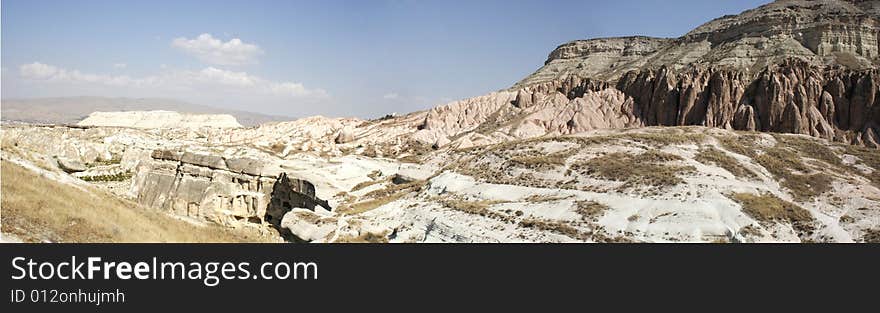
x,y
391,96
120,65
210,79
38,70
214,51
45,72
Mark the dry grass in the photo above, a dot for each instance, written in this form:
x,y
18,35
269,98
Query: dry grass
x,y
783,162
381,197
743,144
112,161
786,158
366,237
393,189
809,147
554,226
545,198
278,147
368,205
648,168
107,178
523,154
365,184
37,209
769,208
538,161
480,208
590,210
871,236
750,231
665,138
870,158
719,158
673,136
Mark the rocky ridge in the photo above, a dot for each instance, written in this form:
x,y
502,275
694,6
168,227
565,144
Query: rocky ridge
x,y
822,32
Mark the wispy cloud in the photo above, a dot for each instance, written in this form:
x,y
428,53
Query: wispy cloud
x,y
208,79
120,65
391,96
214,51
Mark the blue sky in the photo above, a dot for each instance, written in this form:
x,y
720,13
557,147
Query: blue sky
x,y
301,58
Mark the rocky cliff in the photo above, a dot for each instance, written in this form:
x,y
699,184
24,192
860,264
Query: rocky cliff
x,y
803,67
225,190
823,32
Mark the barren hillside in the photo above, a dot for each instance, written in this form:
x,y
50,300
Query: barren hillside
x,y
757,127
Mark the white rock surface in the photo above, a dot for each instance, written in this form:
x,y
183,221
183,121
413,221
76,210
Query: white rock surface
x,y
159,119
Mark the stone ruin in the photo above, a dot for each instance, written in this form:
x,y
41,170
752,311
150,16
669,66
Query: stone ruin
x,y
225,190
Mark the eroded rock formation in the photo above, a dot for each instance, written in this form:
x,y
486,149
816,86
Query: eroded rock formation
x,y
792,97
791,66
219,189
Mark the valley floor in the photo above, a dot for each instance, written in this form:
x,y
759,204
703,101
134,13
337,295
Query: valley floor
x,y
656,184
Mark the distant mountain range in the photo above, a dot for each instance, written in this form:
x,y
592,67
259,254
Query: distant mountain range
x,y
70,110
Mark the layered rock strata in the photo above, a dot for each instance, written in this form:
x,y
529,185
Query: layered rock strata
x,y
218,189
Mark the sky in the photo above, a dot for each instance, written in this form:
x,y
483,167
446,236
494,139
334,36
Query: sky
x,y
358,58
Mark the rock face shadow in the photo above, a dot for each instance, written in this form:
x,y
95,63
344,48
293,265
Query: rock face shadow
x,y
287,194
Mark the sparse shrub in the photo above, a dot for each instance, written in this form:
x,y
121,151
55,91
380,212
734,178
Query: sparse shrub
x,y
370,151
368,205
108,178
750,231
366,237
743,144
590,210
381,197
538,162
375,174
643,169
545,198
392,189
480,208
665,138
846,219
112,161
365,184
553,226
278,147
769,208
781,162
810,148
871,236
719,158
869,157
